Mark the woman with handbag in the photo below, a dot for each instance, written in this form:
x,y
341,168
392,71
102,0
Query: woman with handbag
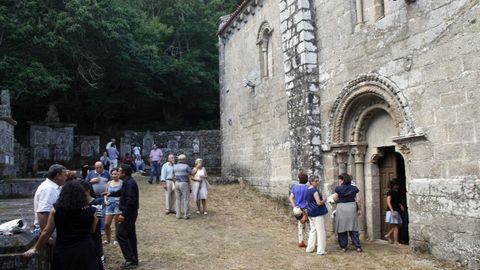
x,y
316,210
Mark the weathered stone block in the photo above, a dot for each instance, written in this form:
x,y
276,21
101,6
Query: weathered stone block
x,y
419,187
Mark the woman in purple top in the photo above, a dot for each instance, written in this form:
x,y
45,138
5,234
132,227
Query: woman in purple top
x,y
346,222
298,198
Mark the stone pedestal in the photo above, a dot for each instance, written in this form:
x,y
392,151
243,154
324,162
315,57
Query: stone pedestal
x,y
51,143
7,165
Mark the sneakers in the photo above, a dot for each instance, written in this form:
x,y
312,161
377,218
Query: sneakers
x,y
301,245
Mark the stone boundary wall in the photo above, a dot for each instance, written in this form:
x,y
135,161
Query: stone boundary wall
x,y
203,144
445,218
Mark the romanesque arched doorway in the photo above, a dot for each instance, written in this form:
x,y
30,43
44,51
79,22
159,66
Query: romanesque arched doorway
x,y
365,122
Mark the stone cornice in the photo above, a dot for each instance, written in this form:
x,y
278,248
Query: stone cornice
x,y
245,9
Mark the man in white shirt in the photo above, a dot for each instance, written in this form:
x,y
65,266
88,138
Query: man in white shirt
x,y
47,194
109,144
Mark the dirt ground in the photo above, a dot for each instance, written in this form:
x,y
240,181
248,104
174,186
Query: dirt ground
x,y
243,230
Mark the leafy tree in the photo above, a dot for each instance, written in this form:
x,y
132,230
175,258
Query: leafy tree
x,y
111,65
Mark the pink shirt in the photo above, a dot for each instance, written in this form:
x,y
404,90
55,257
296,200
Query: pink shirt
x,y
156,155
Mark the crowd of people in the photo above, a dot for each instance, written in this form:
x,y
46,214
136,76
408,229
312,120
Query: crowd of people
x,y
309,207
71,213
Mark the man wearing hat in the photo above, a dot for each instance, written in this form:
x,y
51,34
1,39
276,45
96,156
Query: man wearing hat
x,y
182,174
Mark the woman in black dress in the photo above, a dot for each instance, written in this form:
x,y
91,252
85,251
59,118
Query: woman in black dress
x,y
74,222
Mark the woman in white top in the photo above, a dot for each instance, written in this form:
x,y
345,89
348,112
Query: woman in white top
x,y
200,185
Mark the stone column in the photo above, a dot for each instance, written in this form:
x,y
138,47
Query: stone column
x,y
359,8
359,154
299,44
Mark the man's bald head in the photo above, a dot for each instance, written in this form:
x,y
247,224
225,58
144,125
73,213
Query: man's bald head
x,y
99,167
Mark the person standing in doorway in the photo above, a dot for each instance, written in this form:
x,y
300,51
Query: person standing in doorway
x,y
392,216
167,177
129,203
182,187
156,156
298,199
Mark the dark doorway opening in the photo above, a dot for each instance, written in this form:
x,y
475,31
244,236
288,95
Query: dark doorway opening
x,y
392,165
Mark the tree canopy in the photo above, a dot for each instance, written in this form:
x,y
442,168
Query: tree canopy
x,y
110,65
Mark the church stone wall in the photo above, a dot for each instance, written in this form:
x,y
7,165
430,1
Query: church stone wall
x,y
430,51
254,120
418,61
448,225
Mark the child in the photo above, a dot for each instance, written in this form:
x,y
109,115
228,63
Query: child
x,y
298,196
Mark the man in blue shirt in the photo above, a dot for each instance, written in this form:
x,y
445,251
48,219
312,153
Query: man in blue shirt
x,y
182,174
166,178
98,181
298,198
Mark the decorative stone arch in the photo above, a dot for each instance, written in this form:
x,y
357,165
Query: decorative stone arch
x,y
264,42
355,105
356,108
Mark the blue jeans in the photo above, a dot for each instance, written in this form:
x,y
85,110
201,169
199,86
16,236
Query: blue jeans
x,y
155,171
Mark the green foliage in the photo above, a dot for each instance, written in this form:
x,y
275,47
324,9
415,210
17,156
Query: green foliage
x,y
110,65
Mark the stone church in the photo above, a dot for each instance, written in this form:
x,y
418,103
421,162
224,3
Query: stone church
x,y
375,88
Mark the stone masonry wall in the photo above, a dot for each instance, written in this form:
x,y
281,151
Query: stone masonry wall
x,y
430,50
299,42
254,121
446,222
204,144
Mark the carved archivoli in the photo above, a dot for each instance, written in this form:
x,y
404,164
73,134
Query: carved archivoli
x,y
359,101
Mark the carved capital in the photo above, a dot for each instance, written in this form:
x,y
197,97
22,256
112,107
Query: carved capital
x,y
359,154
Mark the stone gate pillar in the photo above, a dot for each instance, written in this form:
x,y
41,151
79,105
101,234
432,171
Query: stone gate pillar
x,y
7,164
297,19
